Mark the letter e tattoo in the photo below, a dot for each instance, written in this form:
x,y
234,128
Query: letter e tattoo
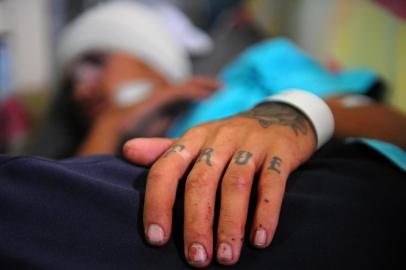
x,y
275,164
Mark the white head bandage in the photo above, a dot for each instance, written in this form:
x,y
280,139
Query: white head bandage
x,y
129,27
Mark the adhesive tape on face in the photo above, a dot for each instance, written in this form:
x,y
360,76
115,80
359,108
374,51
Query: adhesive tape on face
x,y
133,92
314,108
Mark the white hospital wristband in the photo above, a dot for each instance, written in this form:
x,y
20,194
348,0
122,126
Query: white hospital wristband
x,y
313,107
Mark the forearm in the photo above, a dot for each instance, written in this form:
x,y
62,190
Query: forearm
x,y
102,139
107,131
375,121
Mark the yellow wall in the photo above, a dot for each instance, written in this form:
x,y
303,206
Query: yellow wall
x,y
364,33
355,33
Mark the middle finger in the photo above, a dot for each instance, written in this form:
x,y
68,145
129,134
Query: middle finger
x,y
235,194
200,193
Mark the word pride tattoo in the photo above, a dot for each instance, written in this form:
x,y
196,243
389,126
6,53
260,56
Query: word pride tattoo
x,y
206,156
269,114
242,157
275,164
173,149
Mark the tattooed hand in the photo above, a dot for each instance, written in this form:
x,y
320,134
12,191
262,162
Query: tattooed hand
x,y
271,139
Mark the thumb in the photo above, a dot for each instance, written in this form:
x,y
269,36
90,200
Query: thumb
x,y
145,151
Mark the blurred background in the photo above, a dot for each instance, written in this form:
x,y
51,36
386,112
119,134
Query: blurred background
x,y
338,33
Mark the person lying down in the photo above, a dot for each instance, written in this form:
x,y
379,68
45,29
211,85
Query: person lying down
x,y
247,190
219,192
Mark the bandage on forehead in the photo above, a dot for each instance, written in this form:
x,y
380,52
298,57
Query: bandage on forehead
x,y
129,27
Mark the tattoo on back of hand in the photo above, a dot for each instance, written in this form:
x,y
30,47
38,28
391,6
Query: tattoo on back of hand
x,y
206,156
269,114
173,149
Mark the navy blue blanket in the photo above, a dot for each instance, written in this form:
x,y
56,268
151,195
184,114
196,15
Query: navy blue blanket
x,y
343,209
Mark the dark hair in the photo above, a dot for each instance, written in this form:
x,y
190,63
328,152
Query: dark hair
x,y
65,127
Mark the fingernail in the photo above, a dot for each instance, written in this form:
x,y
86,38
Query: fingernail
x,y
155,234
260,238
197,254
224,252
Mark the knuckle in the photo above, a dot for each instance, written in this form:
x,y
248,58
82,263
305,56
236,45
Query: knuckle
x,y
197,131
227,222
157,210
157,173
288,144
224,129
196,233
268,221
231,223
230,227
266,185
166,173
227,130
239,182
196,182
270,179
223,135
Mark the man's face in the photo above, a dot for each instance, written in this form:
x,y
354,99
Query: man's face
x,y
98,78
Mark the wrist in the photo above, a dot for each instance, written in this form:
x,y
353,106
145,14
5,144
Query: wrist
x,y
313,108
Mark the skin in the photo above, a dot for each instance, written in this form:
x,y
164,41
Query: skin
x,y
375,121
272,140
230,146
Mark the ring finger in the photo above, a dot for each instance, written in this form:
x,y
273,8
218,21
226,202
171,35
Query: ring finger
x,y
271,190
235,194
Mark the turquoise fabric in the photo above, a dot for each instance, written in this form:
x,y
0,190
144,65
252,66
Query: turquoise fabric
x,y
393,153
271,67
266,69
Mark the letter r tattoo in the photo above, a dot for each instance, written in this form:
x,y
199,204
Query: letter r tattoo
x,y
173,149
206,156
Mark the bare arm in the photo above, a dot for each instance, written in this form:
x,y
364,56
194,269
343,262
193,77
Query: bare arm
x,y
375,121
272,140
111,125
107,130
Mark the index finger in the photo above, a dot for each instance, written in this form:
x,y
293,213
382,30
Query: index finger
x,y
162,184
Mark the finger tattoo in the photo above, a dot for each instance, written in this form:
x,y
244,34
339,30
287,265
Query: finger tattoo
x,y
173,149
275,164
242,157
206,156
